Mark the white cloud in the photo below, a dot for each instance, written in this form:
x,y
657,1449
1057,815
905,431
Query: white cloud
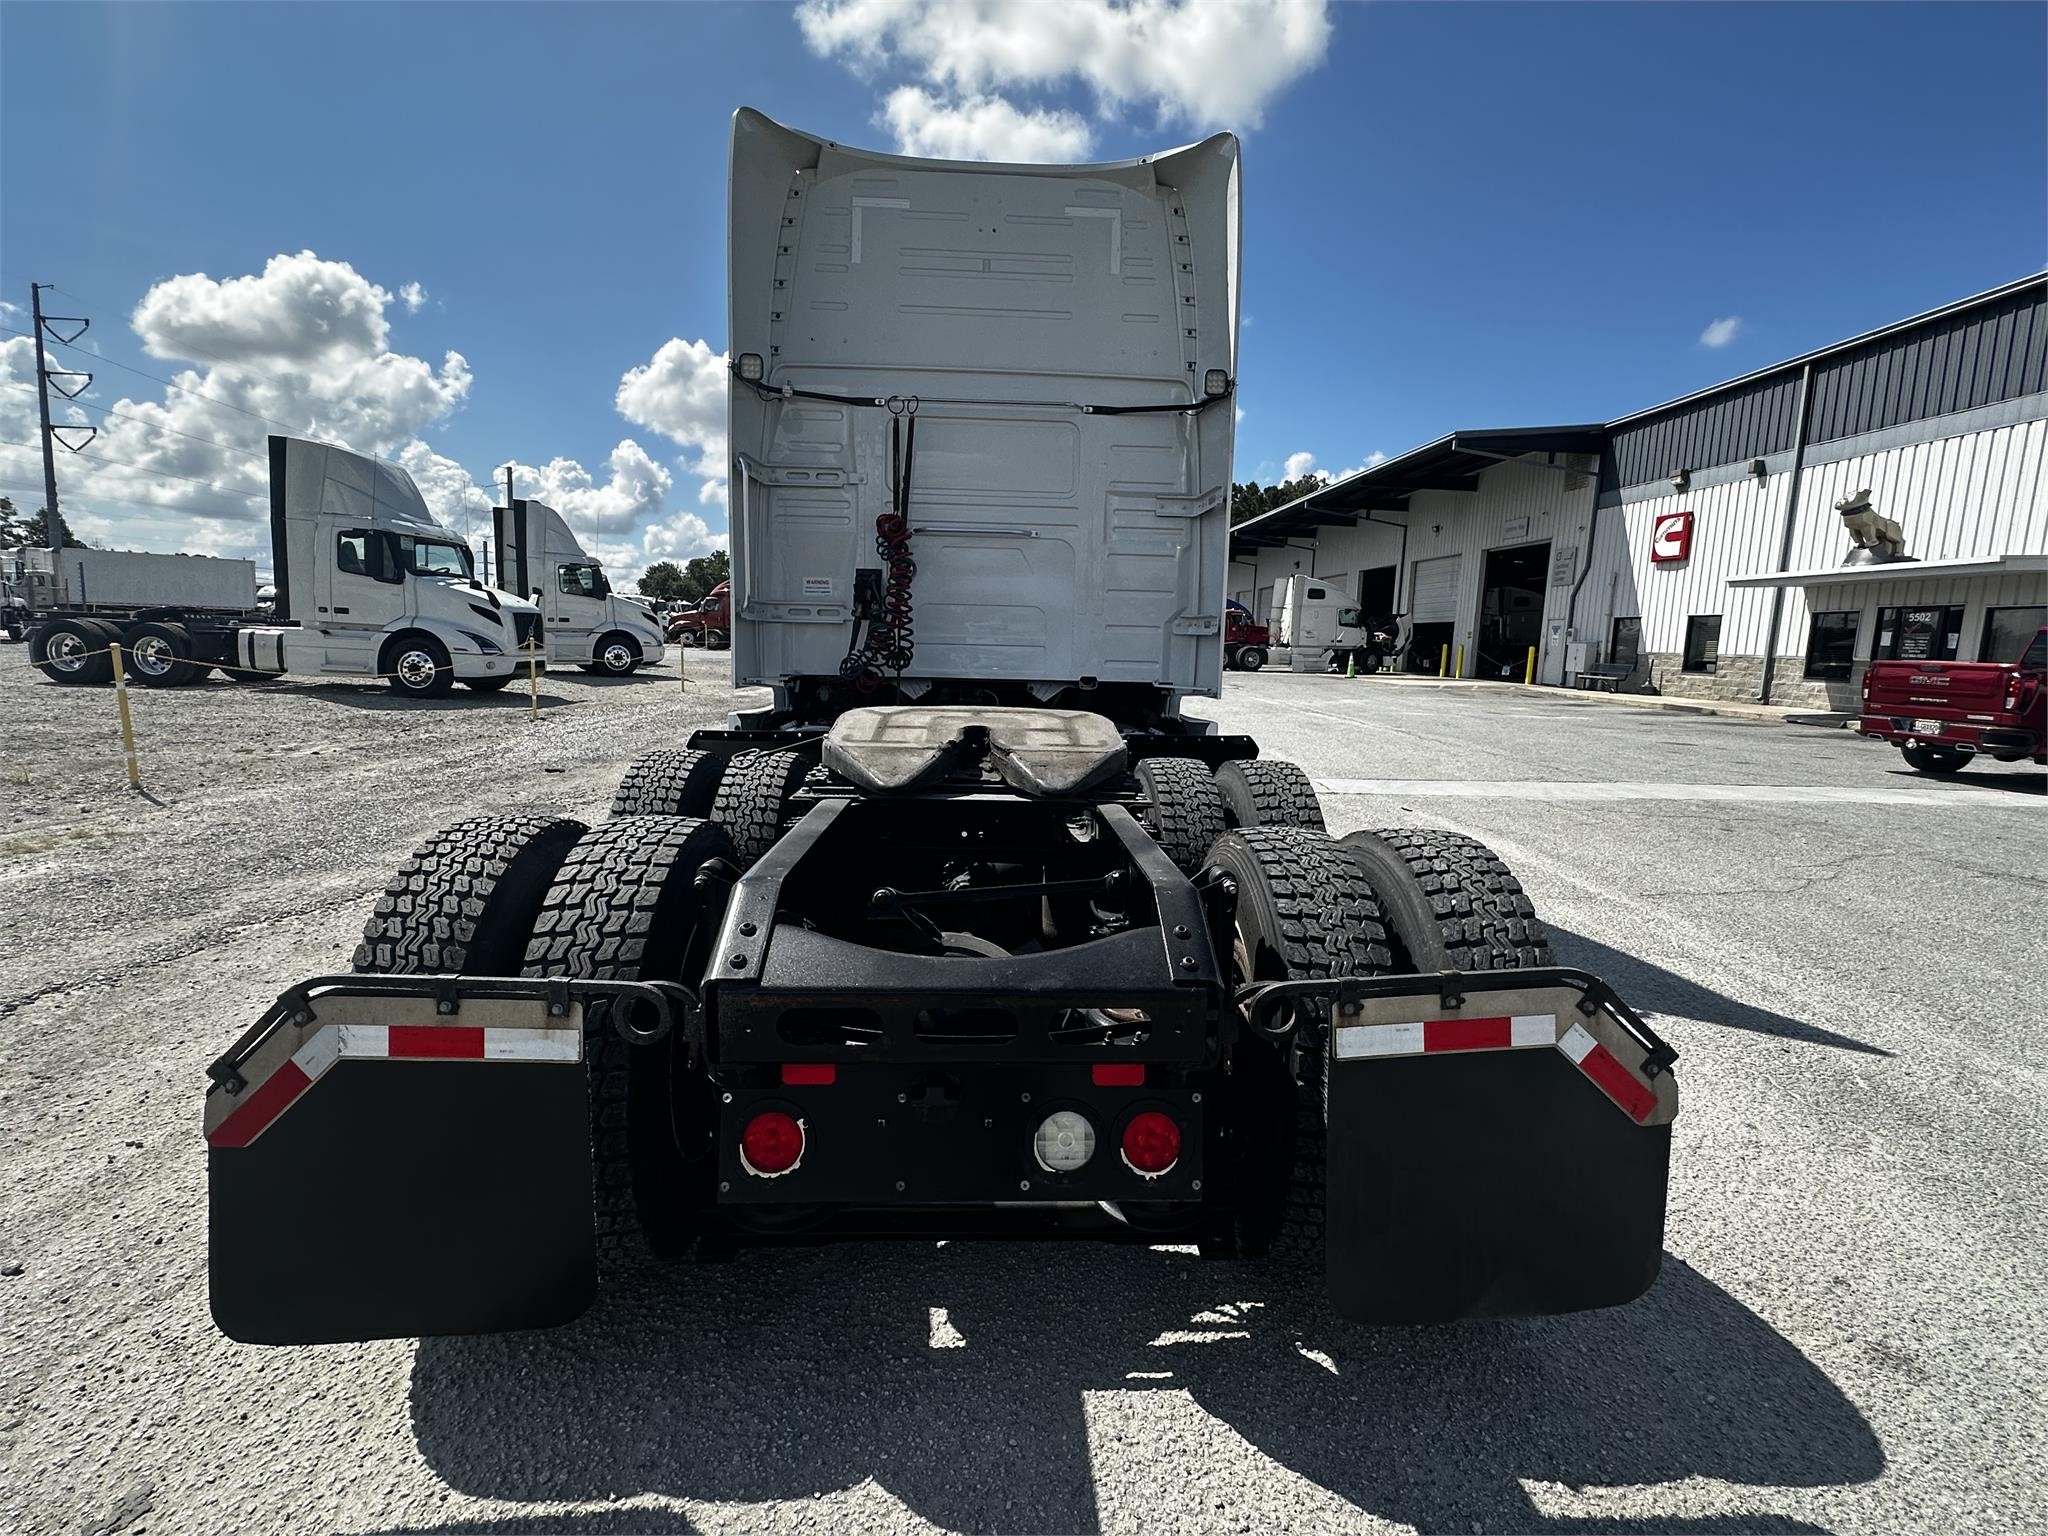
x,y
983,128
414,296
1304,463
1720,332
1205,63
301,346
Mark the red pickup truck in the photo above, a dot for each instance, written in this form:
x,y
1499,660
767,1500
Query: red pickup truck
x,y
1942,713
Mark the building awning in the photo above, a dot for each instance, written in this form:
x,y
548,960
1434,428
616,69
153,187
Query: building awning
x,y
1452,463
1898,570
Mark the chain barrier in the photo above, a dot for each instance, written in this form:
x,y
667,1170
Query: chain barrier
x,y
119,658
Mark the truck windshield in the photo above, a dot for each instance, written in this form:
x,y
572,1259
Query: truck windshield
x,y
431,557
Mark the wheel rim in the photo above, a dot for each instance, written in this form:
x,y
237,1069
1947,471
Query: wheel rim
x,y
416,669
65,651
616,658
153,656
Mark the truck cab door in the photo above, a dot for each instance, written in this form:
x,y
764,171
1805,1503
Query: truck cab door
x,y
360,590
574,609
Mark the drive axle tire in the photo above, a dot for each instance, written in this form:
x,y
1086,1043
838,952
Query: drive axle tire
x,y
1451,904
466,901
752,794
1250,658
1925,759
1304,909
1265,792
159,655
675,782
71,651
625,907
1186,815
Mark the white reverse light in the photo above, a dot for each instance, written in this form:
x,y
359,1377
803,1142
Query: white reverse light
x,y
1064,1142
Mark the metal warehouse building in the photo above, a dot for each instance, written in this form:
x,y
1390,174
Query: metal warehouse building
x,y
1698,542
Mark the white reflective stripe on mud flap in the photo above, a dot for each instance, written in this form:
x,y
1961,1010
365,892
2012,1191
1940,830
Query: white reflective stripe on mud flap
x,y
1533,1029
533,1045
1379,1040
362,1039
318,1053
1576,1043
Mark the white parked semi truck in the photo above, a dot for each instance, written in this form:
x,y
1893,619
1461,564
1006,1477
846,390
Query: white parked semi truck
x,y
588,625
368,584
970,931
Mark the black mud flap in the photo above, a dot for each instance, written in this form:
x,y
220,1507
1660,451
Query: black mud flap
x,y
379,1167
1499,1146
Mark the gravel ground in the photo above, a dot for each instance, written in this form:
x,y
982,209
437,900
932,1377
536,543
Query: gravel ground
x,y
1848,1335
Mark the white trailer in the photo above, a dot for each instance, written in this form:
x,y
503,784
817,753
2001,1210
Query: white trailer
x,y
368,584
587,624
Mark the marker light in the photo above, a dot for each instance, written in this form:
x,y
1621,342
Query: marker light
x,y
1065,1141
1151,1143
772,1143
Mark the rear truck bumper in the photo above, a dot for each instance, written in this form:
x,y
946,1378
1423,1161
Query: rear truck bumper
x,y
1995,740
396,1156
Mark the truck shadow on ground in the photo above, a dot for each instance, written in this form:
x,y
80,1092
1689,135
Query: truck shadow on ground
x,y
1652,989
376,698
2029,781
786,1374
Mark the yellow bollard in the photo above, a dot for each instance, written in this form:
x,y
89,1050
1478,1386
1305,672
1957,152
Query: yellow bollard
x,y
1529,672
127,725
533,677
1443,662
1461,663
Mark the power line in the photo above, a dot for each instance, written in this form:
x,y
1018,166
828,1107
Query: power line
x,y
154,426
16,492
158,378
144,469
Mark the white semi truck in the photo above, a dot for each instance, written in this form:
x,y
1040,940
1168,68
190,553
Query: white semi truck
x,y
368,584
587,624
970,932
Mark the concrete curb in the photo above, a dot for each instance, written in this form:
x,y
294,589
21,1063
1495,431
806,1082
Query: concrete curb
x,y
1782,714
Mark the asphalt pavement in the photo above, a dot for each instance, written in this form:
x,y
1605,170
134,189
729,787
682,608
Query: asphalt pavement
x,y
1848,1335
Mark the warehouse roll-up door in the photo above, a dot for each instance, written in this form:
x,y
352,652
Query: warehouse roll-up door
x,y
1434,599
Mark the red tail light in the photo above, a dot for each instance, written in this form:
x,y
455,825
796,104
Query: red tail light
x,y
1151,1143
772,1143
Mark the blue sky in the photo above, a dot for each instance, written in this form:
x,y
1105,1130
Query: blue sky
x,y
1456,215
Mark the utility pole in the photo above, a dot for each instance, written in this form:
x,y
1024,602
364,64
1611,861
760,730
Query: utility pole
x,y
51,526
53,523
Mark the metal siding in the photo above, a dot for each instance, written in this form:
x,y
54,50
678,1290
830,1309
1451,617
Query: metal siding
x,y
1735,532
1958,363
1978,495
1750,423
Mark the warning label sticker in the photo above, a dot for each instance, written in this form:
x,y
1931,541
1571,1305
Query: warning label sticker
x,y
818,586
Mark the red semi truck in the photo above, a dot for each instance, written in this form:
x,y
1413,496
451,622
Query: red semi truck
x,y
709,624
1940,714
1245,641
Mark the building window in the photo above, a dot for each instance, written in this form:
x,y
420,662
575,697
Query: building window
x,y
2007,632
1831,644
1918,634
1625,643
1702,642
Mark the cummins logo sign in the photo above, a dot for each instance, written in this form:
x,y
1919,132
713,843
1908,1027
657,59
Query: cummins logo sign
x,y
1671,538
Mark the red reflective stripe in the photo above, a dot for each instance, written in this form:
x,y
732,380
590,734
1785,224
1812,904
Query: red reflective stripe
x,y
264,1104
436,1040
1467,1035
808,1074
1618,1083
1119,1074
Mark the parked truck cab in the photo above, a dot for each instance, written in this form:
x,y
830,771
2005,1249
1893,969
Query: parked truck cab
x,y
588,624
707,623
